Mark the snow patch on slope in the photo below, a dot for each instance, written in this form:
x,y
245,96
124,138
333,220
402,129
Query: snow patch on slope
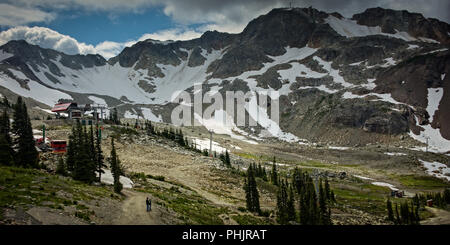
x,y
5,55
350,28
390,186
332,72
203,144
436,169
148,114
37,91
97,100
436,143
107,178
222,123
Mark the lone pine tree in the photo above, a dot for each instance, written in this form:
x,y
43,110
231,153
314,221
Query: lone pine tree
x,y
251,191
115,168
99,154
274,176
390,210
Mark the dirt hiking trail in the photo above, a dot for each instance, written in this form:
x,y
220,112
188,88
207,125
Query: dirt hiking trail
x,y
134,210
441,217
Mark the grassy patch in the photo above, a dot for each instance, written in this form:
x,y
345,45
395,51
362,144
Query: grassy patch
x,y
119,131
368,198
25,187
193,209
422,182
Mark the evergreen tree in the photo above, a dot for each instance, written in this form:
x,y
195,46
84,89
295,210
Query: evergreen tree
x,y
5,102
389,210
274,176
71,151
61,168
264,174
84,165
91,144
227,159
332,196
5,127
398,221
27,155
291,205
115,168
6,150
282,204
324,217
99,154
251,190
327,190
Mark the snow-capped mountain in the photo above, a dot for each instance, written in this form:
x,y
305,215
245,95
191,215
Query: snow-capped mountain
x,y
382,72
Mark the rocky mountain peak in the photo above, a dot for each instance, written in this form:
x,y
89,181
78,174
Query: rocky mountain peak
x,y
414,24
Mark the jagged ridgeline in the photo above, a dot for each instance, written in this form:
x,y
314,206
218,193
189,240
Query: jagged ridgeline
x,y
348,81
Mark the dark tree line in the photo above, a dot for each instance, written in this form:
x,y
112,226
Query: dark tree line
x,y
225,158
439,199
314,208
409,214
81,159
285,203
85,158
406,214
20,149
260,172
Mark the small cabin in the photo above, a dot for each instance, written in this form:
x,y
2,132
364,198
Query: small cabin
x,y
71,109
58,146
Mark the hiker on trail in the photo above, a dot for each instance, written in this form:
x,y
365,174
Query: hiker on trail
x,y
148,204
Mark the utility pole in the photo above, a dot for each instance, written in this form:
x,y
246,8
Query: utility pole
x,y
426,147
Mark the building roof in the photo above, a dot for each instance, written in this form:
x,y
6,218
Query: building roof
x,y
61,107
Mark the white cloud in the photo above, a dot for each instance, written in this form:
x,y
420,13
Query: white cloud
x,y
47,38
11,15
225,16
172,34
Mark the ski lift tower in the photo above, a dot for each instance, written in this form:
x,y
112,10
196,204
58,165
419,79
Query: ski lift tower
x,y
100,107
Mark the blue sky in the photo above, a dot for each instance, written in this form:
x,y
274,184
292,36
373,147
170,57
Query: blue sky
x,y
107,26
97,27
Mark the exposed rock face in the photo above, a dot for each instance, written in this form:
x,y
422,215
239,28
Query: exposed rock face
x,y
335,88
413,23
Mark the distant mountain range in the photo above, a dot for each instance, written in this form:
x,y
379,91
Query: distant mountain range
x,y
346,81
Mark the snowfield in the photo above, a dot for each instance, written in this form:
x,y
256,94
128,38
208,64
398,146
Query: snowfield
x,y
5,55
202,144
107,178
395,154
385,185
37,91
437,169
436,143
350,28
148,114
